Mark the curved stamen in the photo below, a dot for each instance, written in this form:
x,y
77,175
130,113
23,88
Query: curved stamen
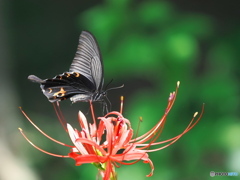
x,y
60,115
56,141
38,148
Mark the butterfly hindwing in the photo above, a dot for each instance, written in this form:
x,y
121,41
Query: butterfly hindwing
x,y
64,86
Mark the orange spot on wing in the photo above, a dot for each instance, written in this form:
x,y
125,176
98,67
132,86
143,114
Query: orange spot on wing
x,y
60,93
67,74
50,90
77,74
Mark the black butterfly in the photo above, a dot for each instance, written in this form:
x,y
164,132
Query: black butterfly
x,y
84,81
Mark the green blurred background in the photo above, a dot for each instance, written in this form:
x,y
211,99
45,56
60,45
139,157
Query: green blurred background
x,y
147,46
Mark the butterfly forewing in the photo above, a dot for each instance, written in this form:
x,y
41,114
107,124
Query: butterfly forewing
x,y
87,60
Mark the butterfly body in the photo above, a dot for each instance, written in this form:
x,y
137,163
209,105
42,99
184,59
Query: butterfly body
x,y
84,80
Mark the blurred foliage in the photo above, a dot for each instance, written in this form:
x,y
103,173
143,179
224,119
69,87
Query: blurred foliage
x,y
147,46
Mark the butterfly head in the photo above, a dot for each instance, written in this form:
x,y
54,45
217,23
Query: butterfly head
x,y
100,96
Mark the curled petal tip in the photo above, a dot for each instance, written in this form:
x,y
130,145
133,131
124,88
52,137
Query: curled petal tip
x,y
70,128
81,114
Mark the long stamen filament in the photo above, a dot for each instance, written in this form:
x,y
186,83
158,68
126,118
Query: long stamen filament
x,y
38,148
145,137
174,139
56,141
60,115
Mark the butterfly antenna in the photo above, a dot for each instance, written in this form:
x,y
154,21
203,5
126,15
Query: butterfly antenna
x,y
110,104
108,83
118,87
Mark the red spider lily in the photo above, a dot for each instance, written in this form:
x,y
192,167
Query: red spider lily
x,y
110,143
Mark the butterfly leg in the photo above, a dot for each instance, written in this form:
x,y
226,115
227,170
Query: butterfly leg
x,y
105,107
